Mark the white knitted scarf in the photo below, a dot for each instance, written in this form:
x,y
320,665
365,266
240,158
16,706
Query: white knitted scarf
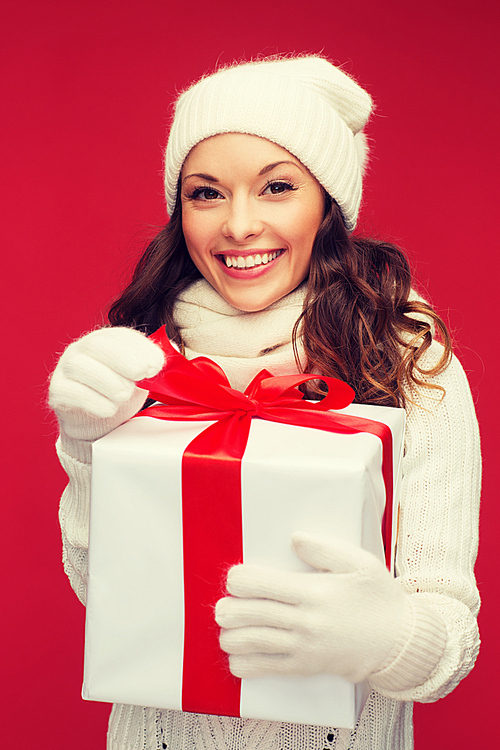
x,y
241,343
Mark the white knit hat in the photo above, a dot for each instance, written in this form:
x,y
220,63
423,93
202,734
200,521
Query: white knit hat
x,y
304,104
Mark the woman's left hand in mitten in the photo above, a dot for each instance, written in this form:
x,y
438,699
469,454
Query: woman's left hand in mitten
x,y
348,617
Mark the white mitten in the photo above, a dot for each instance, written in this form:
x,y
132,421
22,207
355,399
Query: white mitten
x,y
348,617
93,390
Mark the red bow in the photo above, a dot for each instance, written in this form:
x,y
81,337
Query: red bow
x,y
211,490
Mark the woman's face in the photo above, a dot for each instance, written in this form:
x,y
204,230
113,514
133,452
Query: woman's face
x,y
250,213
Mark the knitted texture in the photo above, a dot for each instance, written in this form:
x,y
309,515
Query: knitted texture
x,y
434,561
263,98
384,724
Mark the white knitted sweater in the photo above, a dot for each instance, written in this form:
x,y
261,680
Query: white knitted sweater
x,y
435,555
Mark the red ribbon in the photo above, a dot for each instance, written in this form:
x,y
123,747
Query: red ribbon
x,y
211,492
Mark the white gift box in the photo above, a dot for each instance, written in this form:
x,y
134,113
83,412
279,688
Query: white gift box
x,y
292,479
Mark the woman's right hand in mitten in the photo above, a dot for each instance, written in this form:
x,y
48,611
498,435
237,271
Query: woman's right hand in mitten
x,y
93,390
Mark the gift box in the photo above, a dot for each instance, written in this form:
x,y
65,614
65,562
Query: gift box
x,y
163,533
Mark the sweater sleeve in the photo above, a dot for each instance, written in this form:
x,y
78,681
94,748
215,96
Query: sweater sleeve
x,y
74,520
438,538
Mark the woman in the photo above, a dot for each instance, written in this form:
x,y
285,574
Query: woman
x,y
258,268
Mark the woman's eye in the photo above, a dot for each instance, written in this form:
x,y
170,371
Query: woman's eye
x,y
205,194
277,188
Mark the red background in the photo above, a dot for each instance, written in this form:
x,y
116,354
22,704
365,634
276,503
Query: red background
x,y
85,90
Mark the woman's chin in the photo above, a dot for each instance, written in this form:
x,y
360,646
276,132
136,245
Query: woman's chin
x,y
254,295
252,300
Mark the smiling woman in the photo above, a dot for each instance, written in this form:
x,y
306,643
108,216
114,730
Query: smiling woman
x,y
250,228
258,268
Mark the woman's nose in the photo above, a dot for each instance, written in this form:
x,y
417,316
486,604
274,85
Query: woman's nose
x,y
241,222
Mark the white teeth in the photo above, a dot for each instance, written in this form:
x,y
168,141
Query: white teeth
x,y
249,261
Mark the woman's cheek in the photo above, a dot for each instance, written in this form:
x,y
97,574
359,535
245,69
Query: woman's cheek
x,y
199,227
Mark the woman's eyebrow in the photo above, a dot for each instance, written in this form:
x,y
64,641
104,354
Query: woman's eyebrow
x,y
270,167
202,176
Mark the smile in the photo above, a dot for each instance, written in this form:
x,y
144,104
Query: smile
x,y
250,261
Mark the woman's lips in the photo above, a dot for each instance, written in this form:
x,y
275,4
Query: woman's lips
x,y
249,265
